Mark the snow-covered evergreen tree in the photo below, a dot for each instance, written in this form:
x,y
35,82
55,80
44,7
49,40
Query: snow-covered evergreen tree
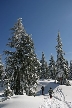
x,y
38,68
46,70
70,70
21,62
2,72
1,68
60,63
44,67
52,67
66,69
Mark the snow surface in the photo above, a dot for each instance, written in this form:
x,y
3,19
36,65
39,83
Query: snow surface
x,y
62,97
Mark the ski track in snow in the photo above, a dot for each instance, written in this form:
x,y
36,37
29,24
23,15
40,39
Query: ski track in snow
x,y
56,102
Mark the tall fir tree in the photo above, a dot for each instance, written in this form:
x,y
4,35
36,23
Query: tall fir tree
x,y
46,70
52,67
44,67
66,69
70,70
21,62
38,68
1,68
61,62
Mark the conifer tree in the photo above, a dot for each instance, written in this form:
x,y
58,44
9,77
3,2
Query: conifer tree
x,y
44,68
70,70
60,63
66,69
38,68
21,62
52,67
1,69
2,72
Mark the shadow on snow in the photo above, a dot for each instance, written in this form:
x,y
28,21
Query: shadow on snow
x,y
47,86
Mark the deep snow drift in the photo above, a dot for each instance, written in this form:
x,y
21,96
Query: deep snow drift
x,y
62,97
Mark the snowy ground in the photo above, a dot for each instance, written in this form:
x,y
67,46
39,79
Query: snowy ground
x,y
62,97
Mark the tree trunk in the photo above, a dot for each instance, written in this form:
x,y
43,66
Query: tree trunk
x,y
18,84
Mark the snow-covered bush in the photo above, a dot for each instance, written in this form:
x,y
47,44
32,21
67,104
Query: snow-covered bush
x,y
7,92
31,90
68,83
